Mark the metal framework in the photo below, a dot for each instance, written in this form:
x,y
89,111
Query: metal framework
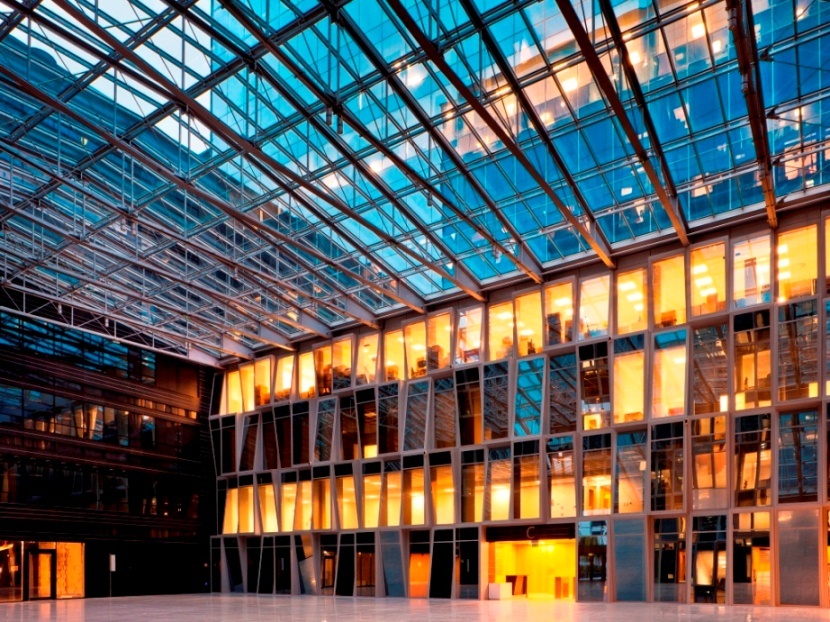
x,y
248,174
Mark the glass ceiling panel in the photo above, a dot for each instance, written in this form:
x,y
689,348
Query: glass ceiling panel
x,y
318,211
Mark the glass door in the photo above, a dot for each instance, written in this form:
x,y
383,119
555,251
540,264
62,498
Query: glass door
x,y
42,574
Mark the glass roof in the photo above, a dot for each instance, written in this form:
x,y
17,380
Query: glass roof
x,y
234,175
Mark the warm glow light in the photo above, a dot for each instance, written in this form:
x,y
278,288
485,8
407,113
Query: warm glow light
x,y
635,57
627,286
724,403
562,302
717,46
634,297
783,249
784,262
570,84
704,281
700,269
698,30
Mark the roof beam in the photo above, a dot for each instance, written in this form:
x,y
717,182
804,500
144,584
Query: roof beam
x,y
741,23
401,293
462,278
524,260
663,187
674,214
529,110
154,224
437,58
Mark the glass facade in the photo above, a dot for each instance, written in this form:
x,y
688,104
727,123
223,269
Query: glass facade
x,y
499,292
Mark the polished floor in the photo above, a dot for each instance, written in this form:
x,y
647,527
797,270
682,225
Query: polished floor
x,y
250,608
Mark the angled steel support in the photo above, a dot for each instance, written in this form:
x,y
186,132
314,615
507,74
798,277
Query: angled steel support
x,y
437,58
663,188
462,278
529,110
525,261
675,215
401,294
152,223
741,23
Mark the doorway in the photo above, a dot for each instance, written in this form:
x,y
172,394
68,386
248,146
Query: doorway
x,y
42,574
537,569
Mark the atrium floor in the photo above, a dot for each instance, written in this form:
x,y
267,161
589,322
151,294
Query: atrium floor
x,y
250,608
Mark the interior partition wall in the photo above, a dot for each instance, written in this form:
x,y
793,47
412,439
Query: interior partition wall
x,y
660,434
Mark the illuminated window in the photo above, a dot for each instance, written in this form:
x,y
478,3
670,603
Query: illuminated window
x,y
439,341
798,368
303,512
596,475
415,338
561,482
709,460
367,359
797,263
559,312
413,493
498,484
230,521
322,369
629,379
500,331
246,509
468,347
631,301
262,381
751,272
529,323
632,472
593,307
710,380
394,363
341,364
753,371
284,378
526,480
708,279
667,475
246,379
346,502
233,393
372,483
267,504
443,488
305,386
668,278
392,494
321,503
288,501
595,391
668,388
472,486
753,460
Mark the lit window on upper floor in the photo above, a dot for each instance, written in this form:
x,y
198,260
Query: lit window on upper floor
x,y
529,323
468,345
500,331
708,279
559,313
593,307
233,393
415,340
751,272
668,278
629,379
341,363
752,360
668,381
367,359
439,341
632,296
394,361
307,379
262,381
797,263
284,378
246,380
